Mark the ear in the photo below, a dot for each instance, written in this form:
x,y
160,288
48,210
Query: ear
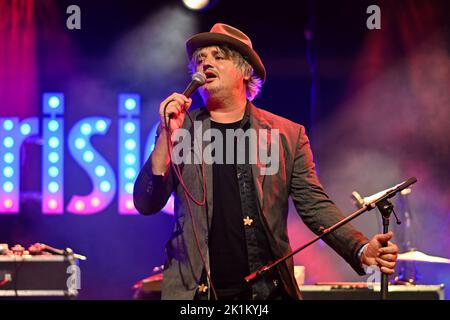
x,y
245,75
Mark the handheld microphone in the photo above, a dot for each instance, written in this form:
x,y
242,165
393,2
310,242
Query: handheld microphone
x,y
198,79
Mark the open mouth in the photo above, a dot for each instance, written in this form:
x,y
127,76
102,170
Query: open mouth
x,y
210,76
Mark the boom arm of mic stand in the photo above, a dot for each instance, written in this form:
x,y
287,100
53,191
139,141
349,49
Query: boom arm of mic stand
x,y
367,207
264,269
61,252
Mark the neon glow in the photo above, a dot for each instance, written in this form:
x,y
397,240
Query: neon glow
x,y
25,129
53,157
7,204
79,205
130,159
130,104
53,125
88,156
53,187
89,159
8,172
53,154
8,186
12,138
86,129
129,128
8,142
100,171
130,144
52,204
54,102
53,142
100,125
8,125
53,172
80,143
105,186
8,158
13,133
95,202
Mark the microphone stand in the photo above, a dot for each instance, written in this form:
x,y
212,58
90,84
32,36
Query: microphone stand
x,y
386,208
382,203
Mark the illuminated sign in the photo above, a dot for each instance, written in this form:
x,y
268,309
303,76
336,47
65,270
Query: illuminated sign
x,y
105,185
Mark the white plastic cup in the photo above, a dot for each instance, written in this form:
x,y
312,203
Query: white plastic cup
x,y
299,274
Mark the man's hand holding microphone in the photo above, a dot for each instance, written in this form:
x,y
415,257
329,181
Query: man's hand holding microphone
x,y
172,111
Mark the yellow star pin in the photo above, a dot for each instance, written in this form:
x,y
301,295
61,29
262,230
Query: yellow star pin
x,y
248,221
202,287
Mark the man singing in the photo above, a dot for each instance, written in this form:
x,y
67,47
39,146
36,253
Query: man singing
x,y
242,223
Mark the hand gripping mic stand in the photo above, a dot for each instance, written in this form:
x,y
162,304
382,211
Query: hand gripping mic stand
x,y
384,206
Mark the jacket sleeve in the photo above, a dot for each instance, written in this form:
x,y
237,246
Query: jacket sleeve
x,y
151,192
317,210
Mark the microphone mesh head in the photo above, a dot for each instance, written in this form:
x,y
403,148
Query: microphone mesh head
x,y
199,77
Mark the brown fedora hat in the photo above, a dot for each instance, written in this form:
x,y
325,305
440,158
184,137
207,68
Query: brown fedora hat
x,y
224,34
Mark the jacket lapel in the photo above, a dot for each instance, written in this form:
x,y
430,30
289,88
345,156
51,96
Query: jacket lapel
x,y
209,179
203,116
258,122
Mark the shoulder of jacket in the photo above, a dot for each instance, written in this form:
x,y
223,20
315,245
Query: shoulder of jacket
x,y
281,123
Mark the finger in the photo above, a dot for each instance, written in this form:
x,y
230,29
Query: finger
x,y
173,110
389,257
170,110
387,270
384,237
179,98
174,104
188,104
182,97
164,107
384,263
167,100
390,249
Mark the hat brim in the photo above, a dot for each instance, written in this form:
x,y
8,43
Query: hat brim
x,y
206,39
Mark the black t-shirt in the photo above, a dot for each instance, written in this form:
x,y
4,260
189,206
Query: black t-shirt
x,y
227,244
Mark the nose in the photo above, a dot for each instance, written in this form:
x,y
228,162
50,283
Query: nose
x,y
206,64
